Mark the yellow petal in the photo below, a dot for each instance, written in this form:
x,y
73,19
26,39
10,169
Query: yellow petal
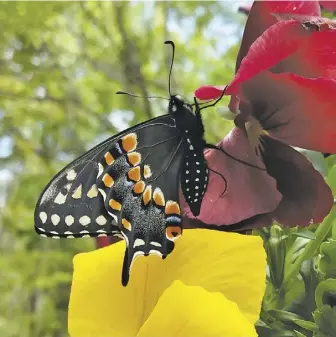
x,y
99,305
191,311
229,263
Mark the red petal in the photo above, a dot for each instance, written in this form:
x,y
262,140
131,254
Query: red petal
x,y
306,196
234,103
316,58
261,17
289,7
207,92
278,42
250,191
296,110
328,5
103,242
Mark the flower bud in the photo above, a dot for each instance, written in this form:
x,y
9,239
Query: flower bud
x,y
327,261
276,254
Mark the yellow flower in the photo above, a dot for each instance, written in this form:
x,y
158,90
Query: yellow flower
x,y
212,284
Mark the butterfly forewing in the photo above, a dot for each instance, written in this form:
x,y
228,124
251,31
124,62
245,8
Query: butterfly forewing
x,y
71,205
86,198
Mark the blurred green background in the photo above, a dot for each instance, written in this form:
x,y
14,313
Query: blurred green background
x,y
61,64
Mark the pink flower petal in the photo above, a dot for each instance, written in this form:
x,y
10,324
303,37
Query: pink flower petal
x,y
250,191
298,111
234,103
306,196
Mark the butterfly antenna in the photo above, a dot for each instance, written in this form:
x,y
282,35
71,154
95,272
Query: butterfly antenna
x,y
129,94
171,66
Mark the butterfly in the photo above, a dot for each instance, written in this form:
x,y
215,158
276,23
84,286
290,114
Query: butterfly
x,y
128,186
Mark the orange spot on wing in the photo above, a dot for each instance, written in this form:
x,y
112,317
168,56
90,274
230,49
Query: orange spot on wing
x,y
134,173
147,171
158,197
172,207
114,204
173,232
139,187
126,224
147,195
108,158
134,158
129,142
108,180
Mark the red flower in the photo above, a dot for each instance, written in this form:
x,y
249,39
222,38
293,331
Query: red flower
x,y
285,90
262,17
104,241
327,5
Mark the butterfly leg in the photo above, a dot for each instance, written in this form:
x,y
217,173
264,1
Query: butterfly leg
x,y
212,104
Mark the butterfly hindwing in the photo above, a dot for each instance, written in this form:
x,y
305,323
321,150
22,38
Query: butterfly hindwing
x,y
141,191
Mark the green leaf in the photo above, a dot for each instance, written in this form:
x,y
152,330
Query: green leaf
x,y
285,333
316,158
325,318
305,233
331,179
311,326
299,334
284,316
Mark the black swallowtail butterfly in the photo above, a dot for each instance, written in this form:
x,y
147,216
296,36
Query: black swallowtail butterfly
x,y
128,186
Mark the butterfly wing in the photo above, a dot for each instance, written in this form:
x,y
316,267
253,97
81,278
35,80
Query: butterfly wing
x,y
75,203
71,206
141,189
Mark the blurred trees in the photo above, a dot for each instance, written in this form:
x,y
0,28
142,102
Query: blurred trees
x,y
60,66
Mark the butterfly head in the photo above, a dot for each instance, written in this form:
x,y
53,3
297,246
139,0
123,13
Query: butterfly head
x,y
153,235
176,104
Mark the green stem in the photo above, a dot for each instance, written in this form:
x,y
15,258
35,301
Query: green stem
x,y
309,251
333,230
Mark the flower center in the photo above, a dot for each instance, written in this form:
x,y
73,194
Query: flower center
x,y
254,132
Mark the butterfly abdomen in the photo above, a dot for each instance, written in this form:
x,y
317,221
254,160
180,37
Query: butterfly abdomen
x,y
194,174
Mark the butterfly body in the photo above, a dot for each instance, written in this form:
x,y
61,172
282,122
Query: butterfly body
x,y
194,173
